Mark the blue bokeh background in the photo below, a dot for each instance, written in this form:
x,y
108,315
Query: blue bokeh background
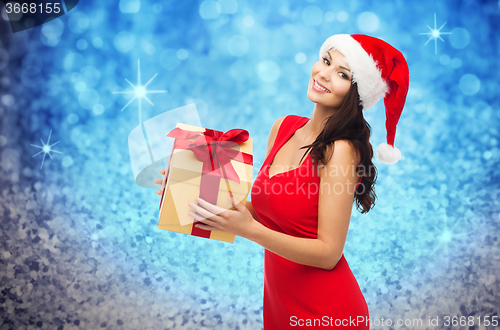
x,y
79,243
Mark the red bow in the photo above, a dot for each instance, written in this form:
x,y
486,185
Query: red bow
x,y
213,148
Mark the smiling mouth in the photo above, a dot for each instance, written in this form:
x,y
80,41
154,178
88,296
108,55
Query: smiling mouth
x,y
320,87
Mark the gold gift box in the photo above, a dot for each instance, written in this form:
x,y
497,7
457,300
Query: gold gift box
x,y
182,186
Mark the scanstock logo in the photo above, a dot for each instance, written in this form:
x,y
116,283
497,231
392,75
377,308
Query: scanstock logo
x,y
25,14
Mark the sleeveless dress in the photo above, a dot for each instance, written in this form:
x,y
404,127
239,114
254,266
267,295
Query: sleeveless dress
x,y
297,295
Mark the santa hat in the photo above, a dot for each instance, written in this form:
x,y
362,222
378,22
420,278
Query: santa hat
x,y
380,71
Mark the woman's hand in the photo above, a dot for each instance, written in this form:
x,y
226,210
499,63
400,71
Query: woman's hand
x,y
238,222
160,182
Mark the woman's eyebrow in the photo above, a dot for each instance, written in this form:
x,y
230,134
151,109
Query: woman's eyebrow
x,y
340,66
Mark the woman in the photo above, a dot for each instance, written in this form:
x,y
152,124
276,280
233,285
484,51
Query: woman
x,y
302,199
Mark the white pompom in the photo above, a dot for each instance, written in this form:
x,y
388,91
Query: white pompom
x,y
388,154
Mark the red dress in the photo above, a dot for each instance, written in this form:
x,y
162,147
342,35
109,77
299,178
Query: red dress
x,y
296,295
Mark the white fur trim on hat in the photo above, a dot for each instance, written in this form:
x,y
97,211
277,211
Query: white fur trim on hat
x,y
388,154
371,86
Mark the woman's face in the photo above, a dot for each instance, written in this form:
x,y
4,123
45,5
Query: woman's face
x,y
331,73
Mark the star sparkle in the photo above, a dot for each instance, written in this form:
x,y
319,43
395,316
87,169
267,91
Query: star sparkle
x,y
447,238
93,239
46,149
139,91
435,34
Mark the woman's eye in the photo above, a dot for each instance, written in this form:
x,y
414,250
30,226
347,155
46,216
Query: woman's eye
x,y
328,63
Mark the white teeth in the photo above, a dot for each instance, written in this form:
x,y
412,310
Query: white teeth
x,y
316,84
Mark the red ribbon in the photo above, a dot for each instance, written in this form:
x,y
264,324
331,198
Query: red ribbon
x,y
213,149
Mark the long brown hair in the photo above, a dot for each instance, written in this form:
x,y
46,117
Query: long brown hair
x,y
348,123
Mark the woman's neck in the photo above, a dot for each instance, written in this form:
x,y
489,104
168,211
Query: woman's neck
x,y
317,122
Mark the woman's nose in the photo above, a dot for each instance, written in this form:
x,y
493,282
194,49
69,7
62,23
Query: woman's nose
x,y
324,75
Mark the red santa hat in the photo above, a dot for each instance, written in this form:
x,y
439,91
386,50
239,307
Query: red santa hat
x,y
380,71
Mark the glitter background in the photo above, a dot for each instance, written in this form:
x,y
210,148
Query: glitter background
x,y
79,243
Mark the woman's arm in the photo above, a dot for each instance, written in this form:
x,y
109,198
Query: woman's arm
x,y
336,193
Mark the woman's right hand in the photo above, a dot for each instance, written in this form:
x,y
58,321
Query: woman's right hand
x,y
160,182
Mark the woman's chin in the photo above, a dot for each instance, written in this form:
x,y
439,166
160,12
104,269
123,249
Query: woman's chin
x,y
313,96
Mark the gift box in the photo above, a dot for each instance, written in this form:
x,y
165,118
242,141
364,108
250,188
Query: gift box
x,y
208,164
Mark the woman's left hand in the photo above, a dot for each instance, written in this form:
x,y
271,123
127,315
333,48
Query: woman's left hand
x,y
238,222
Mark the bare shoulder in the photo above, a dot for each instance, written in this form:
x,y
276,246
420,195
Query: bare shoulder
x,y
342,150
340,154
273,134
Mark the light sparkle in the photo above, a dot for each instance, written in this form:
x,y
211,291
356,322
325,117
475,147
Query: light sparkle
x,y
435,34
46,149
93,239
447,238
139,91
